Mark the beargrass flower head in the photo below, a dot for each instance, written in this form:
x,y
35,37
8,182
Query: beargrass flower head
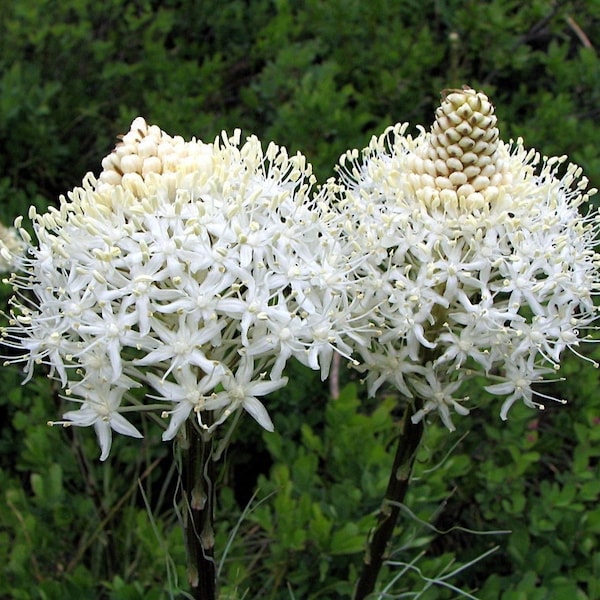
x,y
189,269
481,258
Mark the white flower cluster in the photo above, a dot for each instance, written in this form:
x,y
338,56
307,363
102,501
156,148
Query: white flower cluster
x,y
480,261
198,269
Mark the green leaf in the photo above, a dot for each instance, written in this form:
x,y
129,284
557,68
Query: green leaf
x,y
347,540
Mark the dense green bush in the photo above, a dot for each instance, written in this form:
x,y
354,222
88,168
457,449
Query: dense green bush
x,y
318,77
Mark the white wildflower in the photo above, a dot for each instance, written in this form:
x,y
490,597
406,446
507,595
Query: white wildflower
x,y
100,408
195,269
481,259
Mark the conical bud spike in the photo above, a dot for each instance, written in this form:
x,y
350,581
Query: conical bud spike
x,y
462,150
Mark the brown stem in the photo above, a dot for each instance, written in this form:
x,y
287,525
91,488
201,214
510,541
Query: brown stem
x,y
198,492
377,546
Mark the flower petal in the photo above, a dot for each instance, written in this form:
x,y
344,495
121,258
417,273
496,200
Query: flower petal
x,y
256,408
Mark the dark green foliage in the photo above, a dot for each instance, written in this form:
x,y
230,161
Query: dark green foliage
x,y
318,77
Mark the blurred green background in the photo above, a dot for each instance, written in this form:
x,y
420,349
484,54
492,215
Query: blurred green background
x,y
318,76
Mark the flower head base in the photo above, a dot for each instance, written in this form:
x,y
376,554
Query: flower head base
x,y
481,262
195,269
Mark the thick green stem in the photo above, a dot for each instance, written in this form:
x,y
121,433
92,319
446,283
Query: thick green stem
x,y
377,546
198,492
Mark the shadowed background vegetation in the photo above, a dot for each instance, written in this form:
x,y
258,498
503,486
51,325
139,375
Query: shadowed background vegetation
x,y
318,76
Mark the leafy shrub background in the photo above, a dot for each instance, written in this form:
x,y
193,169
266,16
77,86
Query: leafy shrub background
x,y
319,77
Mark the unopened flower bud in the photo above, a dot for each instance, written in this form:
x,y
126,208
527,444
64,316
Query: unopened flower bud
x,y
462,151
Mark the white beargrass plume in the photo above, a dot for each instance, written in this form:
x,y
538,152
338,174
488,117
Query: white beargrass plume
x,y
482,258
197,269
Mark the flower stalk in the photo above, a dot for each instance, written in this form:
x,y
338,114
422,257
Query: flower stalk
x,y
199,495
378,543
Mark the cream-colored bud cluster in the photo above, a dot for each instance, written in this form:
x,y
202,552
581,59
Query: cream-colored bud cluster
x,y
147,149
461,162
